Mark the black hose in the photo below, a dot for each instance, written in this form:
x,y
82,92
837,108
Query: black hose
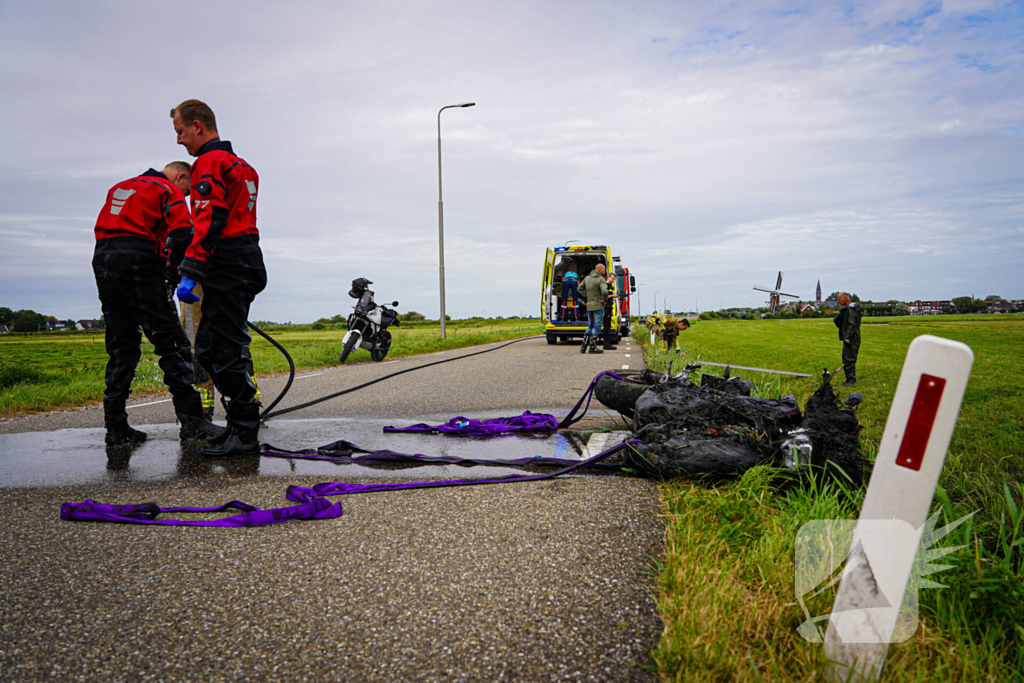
x,y
267,414
291,368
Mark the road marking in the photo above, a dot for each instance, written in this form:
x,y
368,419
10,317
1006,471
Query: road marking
x,y
625,367
388,362
627,355
151,403
315,374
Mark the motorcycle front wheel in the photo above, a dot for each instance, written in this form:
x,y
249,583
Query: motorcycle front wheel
x,y
381,348
349,346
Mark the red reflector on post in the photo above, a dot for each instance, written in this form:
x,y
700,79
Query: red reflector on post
x,y
919,425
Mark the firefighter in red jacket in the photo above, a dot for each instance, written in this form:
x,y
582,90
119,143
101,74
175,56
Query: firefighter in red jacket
x,y
144,223
225,258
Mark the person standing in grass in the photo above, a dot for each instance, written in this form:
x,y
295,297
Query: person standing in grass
x,y
596,289
144,224
848,322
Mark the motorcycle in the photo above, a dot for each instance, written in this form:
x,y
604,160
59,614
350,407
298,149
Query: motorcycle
x,y
368,324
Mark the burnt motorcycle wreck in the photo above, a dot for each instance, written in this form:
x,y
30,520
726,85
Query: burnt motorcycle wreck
x,y
718,430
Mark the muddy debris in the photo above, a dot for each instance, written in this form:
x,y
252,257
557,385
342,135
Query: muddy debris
x,y
718,430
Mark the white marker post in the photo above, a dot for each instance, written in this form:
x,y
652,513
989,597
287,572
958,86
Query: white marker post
x,y
903,481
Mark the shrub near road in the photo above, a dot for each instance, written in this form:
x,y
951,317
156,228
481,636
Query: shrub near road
x,y
726,583
54,370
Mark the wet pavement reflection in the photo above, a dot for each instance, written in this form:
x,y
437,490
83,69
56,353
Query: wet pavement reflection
x,y
79,456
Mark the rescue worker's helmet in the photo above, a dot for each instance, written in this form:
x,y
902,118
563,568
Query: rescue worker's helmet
x,y
359,286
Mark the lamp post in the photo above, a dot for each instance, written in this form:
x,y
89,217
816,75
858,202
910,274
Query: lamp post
x,y
440,208
639,308
655,302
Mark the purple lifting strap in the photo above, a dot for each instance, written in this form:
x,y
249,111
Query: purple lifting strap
x,y
339,488
311,502
309,507
527,422
347,452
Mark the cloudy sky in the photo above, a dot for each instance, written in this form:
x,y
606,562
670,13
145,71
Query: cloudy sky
x,y
876,146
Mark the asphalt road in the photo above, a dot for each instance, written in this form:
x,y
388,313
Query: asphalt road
x,y
526,375
540,581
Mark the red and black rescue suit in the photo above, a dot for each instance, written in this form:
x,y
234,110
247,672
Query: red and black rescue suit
x,y
144,222
225,257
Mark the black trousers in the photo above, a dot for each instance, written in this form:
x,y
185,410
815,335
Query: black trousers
x,y
606,326
850,351
234,276
133,295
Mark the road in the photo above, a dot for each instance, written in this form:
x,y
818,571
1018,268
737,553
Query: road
x,y
536,581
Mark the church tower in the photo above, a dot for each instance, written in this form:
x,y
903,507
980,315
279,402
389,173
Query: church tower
x,y
817,293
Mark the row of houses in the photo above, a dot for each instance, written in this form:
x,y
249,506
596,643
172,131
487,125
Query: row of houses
x,y
58,325
915,307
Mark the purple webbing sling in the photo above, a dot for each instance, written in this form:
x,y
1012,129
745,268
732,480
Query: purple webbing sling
x,y
309,507
527,422
312,503
349,453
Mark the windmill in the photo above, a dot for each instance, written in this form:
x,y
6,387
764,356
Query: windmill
x,y
773,300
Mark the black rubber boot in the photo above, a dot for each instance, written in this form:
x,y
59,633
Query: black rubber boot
x,y
194,425
593,345
115,419
851,375
242,433
607,345
585,344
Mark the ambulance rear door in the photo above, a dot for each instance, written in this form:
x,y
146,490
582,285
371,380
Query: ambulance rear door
x,y
545,288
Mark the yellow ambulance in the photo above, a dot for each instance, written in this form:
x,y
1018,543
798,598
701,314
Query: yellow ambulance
x,y
565,317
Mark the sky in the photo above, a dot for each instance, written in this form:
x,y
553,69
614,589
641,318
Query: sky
x,y
878,147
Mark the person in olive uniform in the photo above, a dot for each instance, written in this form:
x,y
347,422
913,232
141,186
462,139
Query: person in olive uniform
x,y
673,326
655,323
848,322
596,289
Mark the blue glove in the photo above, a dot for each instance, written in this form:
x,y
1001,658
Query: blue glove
x,y
184,291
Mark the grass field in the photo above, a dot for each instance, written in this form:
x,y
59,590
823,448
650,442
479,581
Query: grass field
x,y
53,370
727,574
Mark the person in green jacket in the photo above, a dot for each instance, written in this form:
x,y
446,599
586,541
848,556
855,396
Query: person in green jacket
x,y
596,289
848,322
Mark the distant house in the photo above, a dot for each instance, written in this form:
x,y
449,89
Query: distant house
x,y
928,307
56,325
1002,306
4,329
87,325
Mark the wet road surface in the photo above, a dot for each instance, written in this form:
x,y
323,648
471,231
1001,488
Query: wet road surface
x,y
534,581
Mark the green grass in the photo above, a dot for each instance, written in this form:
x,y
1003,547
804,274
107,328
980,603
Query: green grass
x,y
728,569
52,370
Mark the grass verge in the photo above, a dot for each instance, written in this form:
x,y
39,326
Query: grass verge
x,y
726,583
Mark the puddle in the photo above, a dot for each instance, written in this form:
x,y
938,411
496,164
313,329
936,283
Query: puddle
x,y
79,456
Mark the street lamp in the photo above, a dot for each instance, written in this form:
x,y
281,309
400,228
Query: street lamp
x,y
655,302
639,308
440,207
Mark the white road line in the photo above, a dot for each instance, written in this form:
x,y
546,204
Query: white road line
x,y
315,374
151,403
625,367
388,362
628,356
